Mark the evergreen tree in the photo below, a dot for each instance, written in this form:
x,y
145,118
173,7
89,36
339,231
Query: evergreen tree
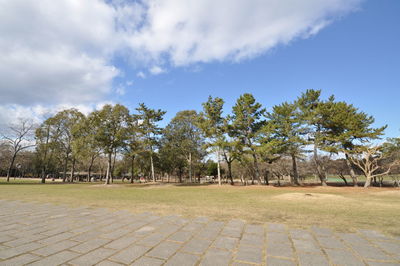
x,y
212,125
246,122
310,106
147,123
286,130
346,130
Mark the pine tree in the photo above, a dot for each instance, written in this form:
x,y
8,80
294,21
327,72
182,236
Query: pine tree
x,y
286,130
147,123
212,124
246,122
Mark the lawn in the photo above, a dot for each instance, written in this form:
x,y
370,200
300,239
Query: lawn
x,y
340,208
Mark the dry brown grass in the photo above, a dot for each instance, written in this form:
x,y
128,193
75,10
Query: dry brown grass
x,y
341,208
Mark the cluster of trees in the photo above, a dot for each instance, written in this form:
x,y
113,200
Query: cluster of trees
x,y
307,137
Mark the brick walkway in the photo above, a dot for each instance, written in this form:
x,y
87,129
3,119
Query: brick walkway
x,y
46,234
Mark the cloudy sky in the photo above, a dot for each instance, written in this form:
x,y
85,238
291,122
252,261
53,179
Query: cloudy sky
x,y
172,54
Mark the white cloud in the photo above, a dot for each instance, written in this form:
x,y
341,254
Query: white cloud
x,y
120,90
155,70
140,74
10,113
55,53
188,32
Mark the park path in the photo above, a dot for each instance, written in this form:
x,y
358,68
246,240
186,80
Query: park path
x,y
47,234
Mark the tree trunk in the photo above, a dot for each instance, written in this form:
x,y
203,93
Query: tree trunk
x,y
295,180
320,171
230,171
113,166
152,168
352,173
218,167
256,169
368,181
180,176
65,167
11,167
73,170
343,178
242,180
43,180
266,178
108,174
190,167
90,168
132,167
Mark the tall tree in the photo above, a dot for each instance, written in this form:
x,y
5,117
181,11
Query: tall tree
x,y
133,145
246,122
346,130
230,153
47,144
148,126
84,145
212,124
184,134
310,106
287,130
65,121
111,131
17,139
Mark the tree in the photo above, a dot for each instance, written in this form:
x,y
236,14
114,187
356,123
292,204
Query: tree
x,y
84,145
230,153
346,130
65,121
45,136
369,159
133,146
286,132
212,125
391,150
111,131
147,120
184,134
310,105
18,139
246,122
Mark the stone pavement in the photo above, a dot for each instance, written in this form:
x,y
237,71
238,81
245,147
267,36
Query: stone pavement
x,y
47,234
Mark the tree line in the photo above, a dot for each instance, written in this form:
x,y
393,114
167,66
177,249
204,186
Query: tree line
x,y
310,136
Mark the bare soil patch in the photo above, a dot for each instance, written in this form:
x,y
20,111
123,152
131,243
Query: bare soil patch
x,y
388,193
308,196
107,186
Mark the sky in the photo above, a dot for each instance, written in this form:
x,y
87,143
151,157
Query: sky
x,y
173,54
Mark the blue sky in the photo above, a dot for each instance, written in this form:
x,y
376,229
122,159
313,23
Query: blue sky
x,y
356,58
349,48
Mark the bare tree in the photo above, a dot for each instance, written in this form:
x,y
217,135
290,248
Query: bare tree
x,y
369,163
18,138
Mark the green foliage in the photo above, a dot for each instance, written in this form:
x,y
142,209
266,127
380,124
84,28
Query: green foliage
x,y
211,120
182,142
147,120
285,130
346,127
247,120
110,127
212,168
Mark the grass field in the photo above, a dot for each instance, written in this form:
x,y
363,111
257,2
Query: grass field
x,y
340,208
